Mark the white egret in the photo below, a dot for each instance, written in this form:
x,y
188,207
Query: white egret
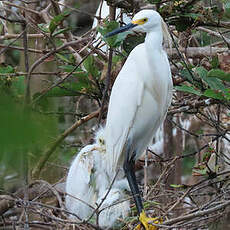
x,y
139,101
87,184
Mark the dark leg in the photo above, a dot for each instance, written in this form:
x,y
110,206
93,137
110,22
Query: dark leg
x,y
130,174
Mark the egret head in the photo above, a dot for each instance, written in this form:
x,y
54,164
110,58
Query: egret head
x,y
144,21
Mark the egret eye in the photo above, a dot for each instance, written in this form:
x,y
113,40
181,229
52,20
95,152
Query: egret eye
x,y
145,19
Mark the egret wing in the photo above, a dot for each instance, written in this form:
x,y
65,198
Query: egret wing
x,y
125,99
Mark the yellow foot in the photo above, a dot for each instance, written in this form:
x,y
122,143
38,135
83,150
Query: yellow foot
x,y
146,222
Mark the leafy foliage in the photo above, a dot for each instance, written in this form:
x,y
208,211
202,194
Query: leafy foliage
x,y
56,21
214,81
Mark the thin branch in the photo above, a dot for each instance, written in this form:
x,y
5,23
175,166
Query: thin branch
x,y
26,61
197,214
18,48
41,35
195,52
21,7
214,33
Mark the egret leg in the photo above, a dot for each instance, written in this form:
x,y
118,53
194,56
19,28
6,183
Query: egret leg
x,y
128,166
130,174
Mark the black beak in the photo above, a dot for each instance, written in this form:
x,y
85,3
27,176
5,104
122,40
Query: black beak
x,y
121,29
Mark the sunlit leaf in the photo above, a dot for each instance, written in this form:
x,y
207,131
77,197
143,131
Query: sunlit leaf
x,y
213,82
44,27
218,73
188,89
213,94
70,68
61,31
177,185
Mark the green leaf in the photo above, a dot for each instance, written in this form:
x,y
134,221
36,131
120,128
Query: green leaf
x,y
215,62
63,58
200,172
201,71
70,88
188,89
61,31
55,22
69,68
227,94
116,59
213,82
213,94
61,92
186,74
44,27
218,73
192,15
177,185
6,69
91,67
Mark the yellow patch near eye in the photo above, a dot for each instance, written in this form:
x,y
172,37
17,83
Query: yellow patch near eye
x,y
140,21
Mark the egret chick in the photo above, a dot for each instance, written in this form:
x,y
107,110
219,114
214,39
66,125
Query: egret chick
x,y
139,101
87,183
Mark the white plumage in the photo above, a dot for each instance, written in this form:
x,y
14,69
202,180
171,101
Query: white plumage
x,y
87,183
141,93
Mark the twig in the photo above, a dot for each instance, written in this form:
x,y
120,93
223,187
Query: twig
x,y
27,101
26,61
197,214
18,48
167,168
34,73
40,35
21,7
196,52
214,33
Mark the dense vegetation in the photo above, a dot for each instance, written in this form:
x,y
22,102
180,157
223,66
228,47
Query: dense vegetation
x,y
55,80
